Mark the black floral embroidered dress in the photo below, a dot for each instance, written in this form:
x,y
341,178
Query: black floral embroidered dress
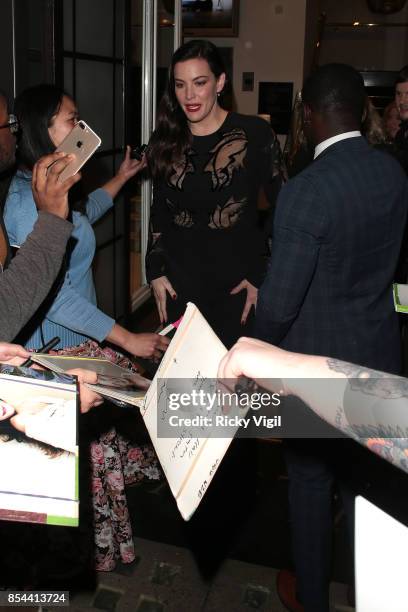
x,y
206,215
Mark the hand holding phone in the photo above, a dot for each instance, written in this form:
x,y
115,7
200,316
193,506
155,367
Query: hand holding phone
x,y
137,152
49,192
129,167
81,142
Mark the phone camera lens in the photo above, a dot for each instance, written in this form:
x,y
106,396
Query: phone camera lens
x,y
81,125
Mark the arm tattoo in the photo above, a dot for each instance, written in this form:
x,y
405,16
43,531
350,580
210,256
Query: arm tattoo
x,y
371,382
388,441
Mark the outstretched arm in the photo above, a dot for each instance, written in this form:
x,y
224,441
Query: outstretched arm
x,y
384,396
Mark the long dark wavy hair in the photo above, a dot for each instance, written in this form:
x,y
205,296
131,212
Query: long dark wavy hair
x,y
172,136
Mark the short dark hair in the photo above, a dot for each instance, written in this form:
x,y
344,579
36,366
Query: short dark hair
x,y
336,88
402,76
35,108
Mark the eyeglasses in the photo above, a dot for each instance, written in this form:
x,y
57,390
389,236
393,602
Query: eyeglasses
x,y
12,123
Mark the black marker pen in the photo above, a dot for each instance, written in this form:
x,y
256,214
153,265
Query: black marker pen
x,y
44,349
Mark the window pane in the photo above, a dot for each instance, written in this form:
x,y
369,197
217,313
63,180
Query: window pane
x,y
35,73
97,171
94,27
94,84
35,25
121,208
68,82
104,229
110,280
104,282
120,20
121,212
67,18
121,282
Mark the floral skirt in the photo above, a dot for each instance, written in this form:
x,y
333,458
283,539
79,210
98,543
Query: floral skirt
x,y
115,463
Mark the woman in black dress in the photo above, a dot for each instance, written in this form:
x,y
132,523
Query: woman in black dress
x,y
208,167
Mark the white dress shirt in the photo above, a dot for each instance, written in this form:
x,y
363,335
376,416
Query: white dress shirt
x,y
329,141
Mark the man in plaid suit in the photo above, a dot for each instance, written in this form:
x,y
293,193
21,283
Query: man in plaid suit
x,y
328,291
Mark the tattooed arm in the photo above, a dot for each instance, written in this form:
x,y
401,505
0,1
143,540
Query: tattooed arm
x,y
369,406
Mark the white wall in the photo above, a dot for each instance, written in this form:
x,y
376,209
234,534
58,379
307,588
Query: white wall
x,y
312,24
276,39
270,44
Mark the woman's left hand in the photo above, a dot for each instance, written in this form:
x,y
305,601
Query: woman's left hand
x,y
129,167
252,295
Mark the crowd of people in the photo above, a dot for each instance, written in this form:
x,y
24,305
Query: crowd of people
x,y
315,283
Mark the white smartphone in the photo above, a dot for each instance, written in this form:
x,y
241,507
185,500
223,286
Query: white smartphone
x,y
81,142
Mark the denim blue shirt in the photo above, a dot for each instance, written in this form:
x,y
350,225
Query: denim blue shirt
x,y
73,315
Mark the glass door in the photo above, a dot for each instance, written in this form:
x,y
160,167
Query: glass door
x,y
92,67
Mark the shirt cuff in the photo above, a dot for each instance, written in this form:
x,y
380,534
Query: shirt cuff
x,y
98,326
102,202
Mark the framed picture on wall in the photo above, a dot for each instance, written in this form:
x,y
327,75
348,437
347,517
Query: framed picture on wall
x,y
275,99
208,18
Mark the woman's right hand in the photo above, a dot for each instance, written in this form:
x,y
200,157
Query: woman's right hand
x,y
160,288
139,345
149,346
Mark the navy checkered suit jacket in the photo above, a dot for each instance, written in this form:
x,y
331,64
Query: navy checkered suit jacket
x,y
336,239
